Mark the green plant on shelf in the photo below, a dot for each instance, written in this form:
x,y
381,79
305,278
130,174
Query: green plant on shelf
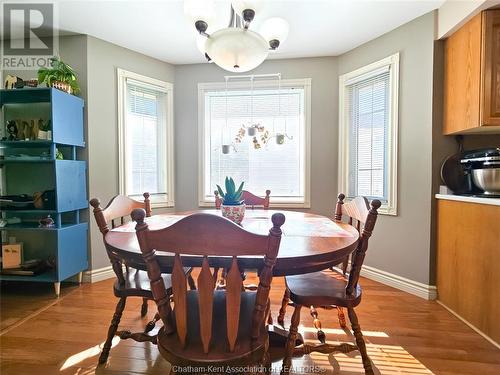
x,y
60,72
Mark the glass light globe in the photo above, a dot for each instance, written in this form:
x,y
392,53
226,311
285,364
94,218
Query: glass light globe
x,y
200,43
199,10
274,28
237,50
240,5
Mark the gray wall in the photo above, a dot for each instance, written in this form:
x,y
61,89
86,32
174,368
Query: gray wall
x,y
103,59
324,99
401,244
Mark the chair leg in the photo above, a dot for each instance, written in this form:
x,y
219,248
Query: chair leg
x,y
192,284
151,325
341,316
268,313
144,307
360,342
284,304
290,343
345,263
112,329
317,324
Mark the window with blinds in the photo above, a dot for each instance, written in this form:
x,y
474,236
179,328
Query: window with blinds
x,y
368,132
145,138
368,113
280,168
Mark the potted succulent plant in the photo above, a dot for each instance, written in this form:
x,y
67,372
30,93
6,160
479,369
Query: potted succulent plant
x,y
60,75
233,207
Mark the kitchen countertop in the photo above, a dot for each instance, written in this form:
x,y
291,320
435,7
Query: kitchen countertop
x,y
469,199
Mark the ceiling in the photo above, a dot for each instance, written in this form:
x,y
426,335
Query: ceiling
x,y
317,27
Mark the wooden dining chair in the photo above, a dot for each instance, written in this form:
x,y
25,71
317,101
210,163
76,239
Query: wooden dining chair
x,y
251,200
327,289
209,326
132,282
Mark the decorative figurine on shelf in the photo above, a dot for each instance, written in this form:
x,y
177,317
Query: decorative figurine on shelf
x,y
33,82
43,129
12,82
26,130
46,222
13,130
38,200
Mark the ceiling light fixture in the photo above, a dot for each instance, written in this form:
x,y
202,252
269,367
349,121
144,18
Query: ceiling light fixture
x,y
236,48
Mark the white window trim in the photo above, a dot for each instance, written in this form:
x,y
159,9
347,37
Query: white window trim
x,y
276,202
122,75
391,62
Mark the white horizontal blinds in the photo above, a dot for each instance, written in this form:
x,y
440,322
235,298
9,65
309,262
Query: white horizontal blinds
x,y
368,110
145,129
276,167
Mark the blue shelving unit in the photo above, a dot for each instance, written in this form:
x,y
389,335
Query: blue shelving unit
x,y
29,166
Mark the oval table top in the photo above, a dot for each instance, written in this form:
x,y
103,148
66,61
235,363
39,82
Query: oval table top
x,y
309,243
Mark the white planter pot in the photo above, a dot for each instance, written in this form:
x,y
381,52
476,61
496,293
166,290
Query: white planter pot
x,y
233,213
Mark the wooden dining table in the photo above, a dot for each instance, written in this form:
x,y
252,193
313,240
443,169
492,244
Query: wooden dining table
x,y
309,243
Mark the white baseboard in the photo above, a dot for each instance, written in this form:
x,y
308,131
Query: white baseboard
x,y
421,290
98,274
470,325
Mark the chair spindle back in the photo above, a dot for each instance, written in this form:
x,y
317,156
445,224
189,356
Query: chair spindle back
x,y
117,209
363,216
208,235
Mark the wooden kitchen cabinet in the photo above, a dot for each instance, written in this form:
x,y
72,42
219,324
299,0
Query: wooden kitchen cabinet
x,y
468,263
472,76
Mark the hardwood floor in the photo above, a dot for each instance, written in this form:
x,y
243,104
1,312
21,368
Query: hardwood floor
x,y
19,300
404,335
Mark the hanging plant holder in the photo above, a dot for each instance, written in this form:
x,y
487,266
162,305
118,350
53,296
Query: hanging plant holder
x,y
280,138
258,133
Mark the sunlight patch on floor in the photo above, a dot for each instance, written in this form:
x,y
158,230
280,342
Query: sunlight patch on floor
x,y
336,331
87,353
386,360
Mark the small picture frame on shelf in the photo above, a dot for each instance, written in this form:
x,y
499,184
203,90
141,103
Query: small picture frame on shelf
x,y
12,255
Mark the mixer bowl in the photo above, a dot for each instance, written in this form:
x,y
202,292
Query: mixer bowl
x,y
487,179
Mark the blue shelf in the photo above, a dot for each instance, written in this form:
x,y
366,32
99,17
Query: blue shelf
x,y
33,211
65,112
25,95
25,144
21,160
34,226
68,243
47,277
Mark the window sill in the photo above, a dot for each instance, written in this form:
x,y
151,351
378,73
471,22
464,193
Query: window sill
x,y
162,204
271,206
389,211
